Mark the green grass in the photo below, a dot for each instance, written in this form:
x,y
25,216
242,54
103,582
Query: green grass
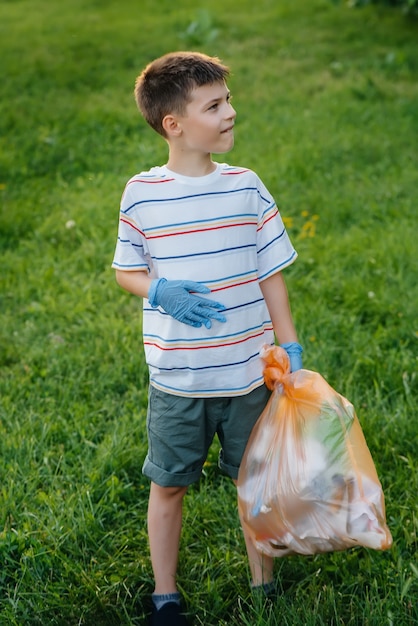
x,y
326,99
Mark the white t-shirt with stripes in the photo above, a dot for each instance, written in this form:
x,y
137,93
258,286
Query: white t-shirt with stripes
x,y
223,230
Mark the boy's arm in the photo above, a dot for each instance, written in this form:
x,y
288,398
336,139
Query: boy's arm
x,y
137,282
275,294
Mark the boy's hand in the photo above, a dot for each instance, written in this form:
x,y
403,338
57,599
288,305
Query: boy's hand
x,y
175,298
294,352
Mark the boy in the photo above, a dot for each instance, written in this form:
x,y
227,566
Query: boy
x,y
187,229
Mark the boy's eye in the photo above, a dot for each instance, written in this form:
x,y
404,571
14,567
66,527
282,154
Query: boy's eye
x,y
215,105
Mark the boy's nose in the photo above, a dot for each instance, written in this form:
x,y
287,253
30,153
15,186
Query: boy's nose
x,y
232,113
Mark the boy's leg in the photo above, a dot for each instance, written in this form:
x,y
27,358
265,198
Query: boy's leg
x,y
164,529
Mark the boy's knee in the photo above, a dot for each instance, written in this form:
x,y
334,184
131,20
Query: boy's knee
x,y
175,492
168,493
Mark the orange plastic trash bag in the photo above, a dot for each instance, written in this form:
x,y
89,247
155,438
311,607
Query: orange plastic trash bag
x,y
307,481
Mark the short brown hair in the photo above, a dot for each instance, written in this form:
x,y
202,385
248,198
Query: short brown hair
x,y
165,84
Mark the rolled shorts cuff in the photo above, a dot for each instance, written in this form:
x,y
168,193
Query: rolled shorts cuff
x,y
229,470
163,478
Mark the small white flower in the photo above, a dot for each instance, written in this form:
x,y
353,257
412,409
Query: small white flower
x,y
371,294
70,224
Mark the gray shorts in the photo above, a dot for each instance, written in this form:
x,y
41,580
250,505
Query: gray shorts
x,y
181,430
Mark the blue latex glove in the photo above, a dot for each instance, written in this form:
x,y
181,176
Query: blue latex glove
x,y
175,298
294,352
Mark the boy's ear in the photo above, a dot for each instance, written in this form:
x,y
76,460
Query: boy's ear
x,y
171,126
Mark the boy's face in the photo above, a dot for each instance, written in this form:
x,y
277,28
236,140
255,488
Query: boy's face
x,y
207,125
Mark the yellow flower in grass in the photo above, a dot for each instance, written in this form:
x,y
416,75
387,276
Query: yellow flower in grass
x,y
287,221
309,227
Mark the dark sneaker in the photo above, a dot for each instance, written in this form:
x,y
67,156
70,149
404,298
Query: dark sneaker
x,y
268,590
169,615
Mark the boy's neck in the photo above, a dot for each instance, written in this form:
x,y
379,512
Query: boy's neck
x,y
191,164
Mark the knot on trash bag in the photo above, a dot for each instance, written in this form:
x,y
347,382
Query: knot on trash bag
x,y
277,365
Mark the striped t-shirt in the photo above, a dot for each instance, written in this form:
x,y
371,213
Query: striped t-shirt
x,y
223,230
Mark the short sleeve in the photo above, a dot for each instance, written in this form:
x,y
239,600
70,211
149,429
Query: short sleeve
x,y
274,248
130,252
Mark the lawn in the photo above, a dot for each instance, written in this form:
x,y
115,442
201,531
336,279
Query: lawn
x,y
326,97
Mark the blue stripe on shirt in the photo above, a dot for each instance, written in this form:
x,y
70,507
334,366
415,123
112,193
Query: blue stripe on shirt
x,y
193,195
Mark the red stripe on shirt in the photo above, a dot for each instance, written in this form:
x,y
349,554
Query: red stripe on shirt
x,y
244,282
211,346
266,221
132,226
150,182
233,173
198,230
